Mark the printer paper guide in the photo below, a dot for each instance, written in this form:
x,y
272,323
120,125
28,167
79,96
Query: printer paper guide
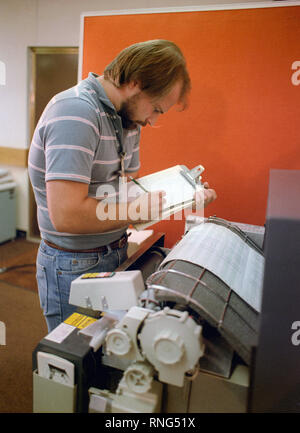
x,y
233,261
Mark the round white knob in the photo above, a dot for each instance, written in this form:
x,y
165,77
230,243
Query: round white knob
x,y
138,377
168,348
118,342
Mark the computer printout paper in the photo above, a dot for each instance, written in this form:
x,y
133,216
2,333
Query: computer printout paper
x,y
225,254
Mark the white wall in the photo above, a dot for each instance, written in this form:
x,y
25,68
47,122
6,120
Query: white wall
x,y
17,31
25,23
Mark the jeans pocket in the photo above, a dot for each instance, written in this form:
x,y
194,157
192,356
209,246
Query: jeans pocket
x,y
78,266
42,286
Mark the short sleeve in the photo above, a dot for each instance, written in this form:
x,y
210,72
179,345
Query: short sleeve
x,y
70,137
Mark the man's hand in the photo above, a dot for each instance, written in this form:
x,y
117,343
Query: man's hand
x,y
204,196
147,207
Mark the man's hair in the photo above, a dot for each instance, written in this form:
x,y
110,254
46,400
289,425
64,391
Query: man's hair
x,y
155,65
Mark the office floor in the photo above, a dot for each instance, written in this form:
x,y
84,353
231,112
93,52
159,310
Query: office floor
x,y
25,326
19,256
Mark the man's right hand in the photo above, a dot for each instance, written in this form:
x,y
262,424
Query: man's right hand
x,y
147,207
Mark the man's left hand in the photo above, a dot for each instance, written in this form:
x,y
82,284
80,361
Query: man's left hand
x,y
204,196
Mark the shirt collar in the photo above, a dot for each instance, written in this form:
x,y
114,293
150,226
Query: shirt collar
x,y
96,85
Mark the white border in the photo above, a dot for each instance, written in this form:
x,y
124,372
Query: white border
x,y
216,7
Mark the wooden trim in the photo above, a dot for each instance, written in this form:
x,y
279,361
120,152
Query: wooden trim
x,y
54,50
32,90
13,156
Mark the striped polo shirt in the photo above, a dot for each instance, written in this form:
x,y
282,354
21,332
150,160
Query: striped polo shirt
x,y
79,138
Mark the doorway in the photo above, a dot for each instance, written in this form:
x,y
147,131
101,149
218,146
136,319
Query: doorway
x,y
51,70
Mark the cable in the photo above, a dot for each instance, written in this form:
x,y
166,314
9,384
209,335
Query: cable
x,y
9,268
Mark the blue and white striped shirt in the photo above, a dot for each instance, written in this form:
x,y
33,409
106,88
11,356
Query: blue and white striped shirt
x,y
79,137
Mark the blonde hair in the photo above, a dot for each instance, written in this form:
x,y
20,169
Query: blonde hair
x,y
156,65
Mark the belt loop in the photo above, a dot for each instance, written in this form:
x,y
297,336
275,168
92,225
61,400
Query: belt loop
x,y
122,242
109,250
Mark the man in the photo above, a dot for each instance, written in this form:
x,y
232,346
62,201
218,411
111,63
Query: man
x,y
88,136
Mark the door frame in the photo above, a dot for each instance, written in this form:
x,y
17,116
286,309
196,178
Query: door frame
x,y
33,53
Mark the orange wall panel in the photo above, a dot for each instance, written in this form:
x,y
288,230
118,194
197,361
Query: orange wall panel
x,y
244,111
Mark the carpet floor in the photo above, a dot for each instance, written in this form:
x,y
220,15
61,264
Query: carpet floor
x,y
19,257
24,325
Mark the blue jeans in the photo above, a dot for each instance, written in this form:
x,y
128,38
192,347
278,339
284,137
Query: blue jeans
x,y
56,270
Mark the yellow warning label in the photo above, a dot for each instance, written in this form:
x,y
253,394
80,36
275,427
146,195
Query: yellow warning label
x,y
97,275
90,275
80,321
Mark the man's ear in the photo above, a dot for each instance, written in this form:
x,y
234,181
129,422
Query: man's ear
x,y
130,89
134,86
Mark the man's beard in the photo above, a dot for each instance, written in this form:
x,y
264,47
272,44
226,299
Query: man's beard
x,y
126,113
